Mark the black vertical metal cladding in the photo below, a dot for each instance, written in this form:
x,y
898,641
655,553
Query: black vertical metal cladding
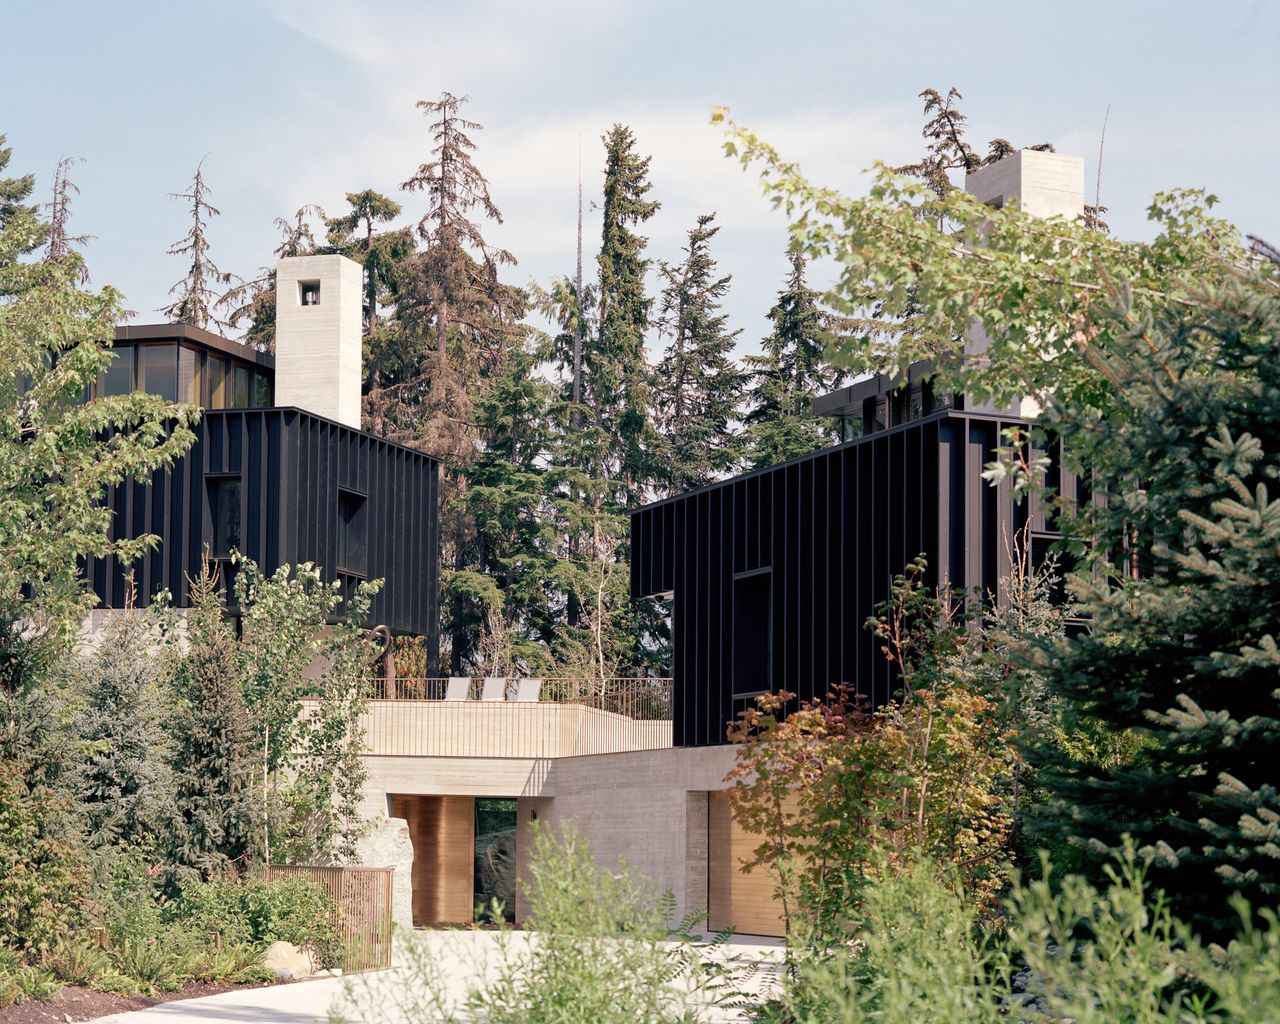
x,y
828,533
290,465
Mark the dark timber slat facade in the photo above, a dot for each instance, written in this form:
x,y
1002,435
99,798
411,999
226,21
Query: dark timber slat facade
x,y
771,575
296,473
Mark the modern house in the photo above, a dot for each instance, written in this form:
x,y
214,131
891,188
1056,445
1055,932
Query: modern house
x,y
280,469
770,577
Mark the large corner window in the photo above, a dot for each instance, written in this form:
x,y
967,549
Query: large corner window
x,y
752,633
189,377
224,514
239,381
158,371
353,547
261,390
216,369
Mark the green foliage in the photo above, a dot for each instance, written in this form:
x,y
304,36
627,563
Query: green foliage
x,y
790,371
596,953
125,782
18,983
255,913
698,384
57,452
44,882
217,813
1180,588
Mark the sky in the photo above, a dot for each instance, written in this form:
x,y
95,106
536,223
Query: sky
x,y
301,101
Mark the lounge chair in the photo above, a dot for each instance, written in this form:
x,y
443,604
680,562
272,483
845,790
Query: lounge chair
x,y
528,689
457,688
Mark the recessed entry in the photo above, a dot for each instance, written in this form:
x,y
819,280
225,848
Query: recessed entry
x,y
308,293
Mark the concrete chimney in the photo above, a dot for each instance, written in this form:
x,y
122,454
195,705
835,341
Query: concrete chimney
x,y
1044,184
318,336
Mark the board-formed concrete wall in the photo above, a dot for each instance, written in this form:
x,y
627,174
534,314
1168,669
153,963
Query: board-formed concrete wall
x,y
647,807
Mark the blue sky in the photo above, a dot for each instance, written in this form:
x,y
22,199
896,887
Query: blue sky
x,y
296,102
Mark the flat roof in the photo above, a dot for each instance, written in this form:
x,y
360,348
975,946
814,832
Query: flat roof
x,y
196,336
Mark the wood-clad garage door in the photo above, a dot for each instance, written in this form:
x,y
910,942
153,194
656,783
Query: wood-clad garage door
x,y
745,902
442,829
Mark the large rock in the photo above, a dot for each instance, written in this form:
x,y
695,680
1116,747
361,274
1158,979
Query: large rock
x,y
287,962
389,846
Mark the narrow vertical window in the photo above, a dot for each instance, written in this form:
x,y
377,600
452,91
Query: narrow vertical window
x,y
352,534
752,633
224,514
117,378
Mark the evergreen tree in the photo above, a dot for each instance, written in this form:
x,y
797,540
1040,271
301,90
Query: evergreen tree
x,y
457,325
255,300
216,808
355,236
698,384
125,782
788,374
615,373
203,290
62,245
1181,589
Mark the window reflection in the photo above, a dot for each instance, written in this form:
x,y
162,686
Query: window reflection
x,y
189,376
117,378
216,368
158,371
240,391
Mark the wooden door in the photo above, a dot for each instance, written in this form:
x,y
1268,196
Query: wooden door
x,y
442,829
745,902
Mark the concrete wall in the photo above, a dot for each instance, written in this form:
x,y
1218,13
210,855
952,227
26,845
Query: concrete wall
x,y
648,807
318,348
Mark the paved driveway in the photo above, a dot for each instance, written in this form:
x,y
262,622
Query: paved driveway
x,y
459,958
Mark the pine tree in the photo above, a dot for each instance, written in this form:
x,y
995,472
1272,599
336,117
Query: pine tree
x,y
697,385
217,810
615,373
203,290
788,374
1182,593
125,789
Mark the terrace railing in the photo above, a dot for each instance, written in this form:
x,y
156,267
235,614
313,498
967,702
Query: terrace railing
x,y
573,717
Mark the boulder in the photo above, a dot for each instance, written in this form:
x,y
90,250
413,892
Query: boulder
x,y
287,962
389,846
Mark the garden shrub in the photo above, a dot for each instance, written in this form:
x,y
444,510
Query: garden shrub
x,y
44,881
255,912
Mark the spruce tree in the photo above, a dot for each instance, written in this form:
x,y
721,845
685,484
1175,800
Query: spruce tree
x,y
615,373
791,370
698,384
217,810
203,290
125,786
1181,590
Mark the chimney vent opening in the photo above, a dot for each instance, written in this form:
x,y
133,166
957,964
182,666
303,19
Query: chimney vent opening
x,y
308,293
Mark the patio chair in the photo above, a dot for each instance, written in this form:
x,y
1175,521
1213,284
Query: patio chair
x,y
457,688
528,689
495,688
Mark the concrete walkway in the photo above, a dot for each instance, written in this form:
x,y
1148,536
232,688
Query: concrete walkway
x,y
395,996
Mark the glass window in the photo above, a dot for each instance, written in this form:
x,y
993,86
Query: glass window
x,y
352,548
117,378
215,369
158,371
752,633
261,390
240,389
224,512
189,376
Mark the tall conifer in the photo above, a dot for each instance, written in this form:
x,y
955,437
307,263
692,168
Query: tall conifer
x,y
616,376
788,374
202,291
698,383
